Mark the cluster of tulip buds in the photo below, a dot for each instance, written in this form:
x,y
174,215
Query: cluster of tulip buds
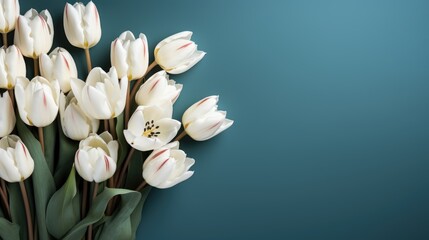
x,y
81,105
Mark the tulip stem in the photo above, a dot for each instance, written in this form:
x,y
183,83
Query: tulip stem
x,y
3,193
94,194
36,66
41,139
141,186
12,97
112,128
88,59
27,210
106,125
127,105
4,40
125,167
139,81
84,199
180,136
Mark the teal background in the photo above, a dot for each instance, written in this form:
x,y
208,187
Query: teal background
x,y
331,108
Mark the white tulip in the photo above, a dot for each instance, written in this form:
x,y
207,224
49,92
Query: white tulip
x,y
129,55
9,12
34,33
177,53
7,115
102,96
151,127
58,65
167,166
37,100
12,65
95,160
16,163
158,88
203,121
82,24
74,122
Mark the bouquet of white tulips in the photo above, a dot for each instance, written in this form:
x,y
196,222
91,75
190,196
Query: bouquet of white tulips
x,y
114,128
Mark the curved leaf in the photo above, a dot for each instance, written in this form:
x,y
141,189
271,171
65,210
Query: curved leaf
x,y
17,209
98,207
43,182
63,210
8,230
137,214
67,149
50,137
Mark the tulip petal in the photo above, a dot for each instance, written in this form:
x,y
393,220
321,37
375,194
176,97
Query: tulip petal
x,y
91,20
21,99
72,26
168,129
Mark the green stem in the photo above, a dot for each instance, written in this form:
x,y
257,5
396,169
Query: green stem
x,y
27,210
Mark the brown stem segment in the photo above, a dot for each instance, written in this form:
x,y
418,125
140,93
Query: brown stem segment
x,y
84,199
94,194
5,202
106,125
141,186
180,136
36,66
27,210
138,83
4,40
12,97
112,128
127,105
88,59
41,139
125,167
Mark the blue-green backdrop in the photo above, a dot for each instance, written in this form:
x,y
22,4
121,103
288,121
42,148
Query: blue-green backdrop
x,y
331,107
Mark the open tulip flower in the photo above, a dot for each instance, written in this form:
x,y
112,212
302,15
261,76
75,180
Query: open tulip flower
x,y
177,53
157,89
34,33
151,127
95,160
37,100
102,96
58,65
167,166
82,24
16,163
74,122
7,115
203,121
12,65
9,12
130,55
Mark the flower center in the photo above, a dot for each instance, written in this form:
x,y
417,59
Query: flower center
x,y
150,129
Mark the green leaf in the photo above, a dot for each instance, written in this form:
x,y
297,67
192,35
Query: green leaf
x,y
50,137
137,214
8,230
134,174
67,149
124,148
96,212
64,208
17,208
43,182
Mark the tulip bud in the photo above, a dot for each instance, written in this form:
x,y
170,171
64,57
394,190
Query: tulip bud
x,y
102,96
158,88
151,127
167,166
177,53
34,33
7,115
129,55
8,14
58,65
12,65
16,163
74,122
95,160
37,100
203,121
82,24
